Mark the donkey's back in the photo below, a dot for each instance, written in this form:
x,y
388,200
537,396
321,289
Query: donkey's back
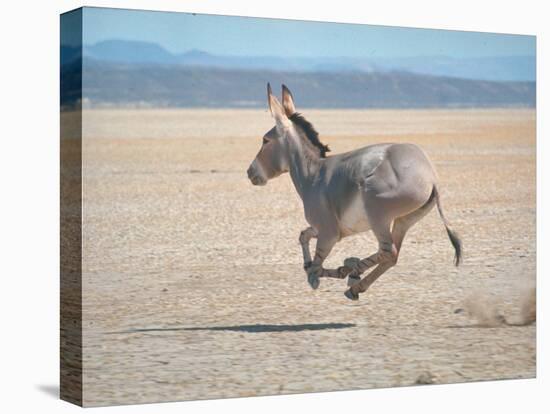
x,y
404,159
388,180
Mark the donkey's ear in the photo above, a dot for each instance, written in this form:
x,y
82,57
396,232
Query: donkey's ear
x,y
277,110
288,102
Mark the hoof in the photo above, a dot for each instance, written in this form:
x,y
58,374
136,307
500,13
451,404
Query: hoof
x,y
350,295
313,281
353,279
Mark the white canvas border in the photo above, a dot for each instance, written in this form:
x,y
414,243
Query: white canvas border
x,y
30,206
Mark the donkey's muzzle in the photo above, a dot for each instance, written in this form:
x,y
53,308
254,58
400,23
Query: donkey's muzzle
x,y
254,177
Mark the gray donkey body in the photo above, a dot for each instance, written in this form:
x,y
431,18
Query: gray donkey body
x,y
385,188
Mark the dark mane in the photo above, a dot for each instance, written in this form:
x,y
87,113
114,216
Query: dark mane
x,y
310,132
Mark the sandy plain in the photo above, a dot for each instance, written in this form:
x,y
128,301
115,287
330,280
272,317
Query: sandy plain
x,y
193,285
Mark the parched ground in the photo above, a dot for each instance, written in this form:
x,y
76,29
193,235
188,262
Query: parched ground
x,y
193,285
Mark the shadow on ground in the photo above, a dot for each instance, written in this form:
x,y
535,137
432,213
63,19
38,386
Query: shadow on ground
x,y
258,328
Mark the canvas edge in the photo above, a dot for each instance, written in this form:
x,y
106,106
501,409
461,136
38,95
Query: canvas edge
x,y
71,356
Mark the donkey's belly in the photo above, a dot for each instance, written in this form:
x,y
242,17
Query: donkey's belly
x,y
354,218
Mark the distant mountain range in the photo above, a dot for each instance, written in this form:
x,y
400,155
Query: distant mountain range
x,y
125,73
508,68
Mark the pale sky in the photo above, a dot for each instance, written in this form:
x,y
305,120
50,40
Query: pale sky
x,y
245,36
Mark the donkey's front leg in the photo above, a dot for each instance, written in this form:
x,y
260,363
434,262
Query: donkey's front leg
x,y
305,237
324,246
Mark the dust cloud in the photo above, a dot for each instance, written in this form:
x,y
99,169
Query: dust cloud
x,y
485,309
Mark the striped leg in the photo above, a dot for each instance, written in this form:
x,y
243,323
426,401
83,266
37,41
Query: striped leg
x,y
353,292
316,270
360,266
388,254
385,258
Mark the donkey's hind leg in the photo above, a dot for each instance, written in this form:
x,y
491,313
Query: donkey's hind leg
x,y
399,229
359,267
385,257
353,292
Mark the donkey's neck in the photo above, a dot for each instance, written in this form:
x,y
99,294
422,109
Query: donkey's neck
x,y
304,166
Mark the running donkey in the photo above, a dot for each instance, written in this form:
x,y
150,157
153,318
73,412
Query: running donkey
x,y
385,188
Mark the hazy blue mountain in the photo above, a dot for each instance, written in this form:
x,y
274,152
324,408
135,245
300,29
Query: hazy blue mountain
x,y
169,85
511,68
129,52
507,68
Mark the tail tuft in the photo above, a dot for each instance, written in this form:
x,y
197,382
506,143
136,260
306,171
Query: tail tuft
x,y
455,240
457,244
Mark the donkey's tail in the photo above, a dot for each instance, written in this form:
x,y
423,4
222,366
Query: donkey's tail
x,y
455,240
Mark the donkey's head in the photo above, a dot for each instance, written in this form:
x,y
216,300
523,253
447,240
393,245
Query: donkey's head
x,y
272,159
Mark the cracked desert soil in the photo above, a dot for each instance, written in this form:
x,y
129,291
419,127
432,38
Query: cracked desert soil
x,y
193,285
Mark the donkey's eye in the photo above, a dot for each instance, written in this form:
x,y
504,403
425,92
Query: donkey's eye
x,y
265,140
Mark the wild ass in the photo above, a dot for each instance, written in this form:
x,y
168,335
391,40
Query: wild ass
x,y
385,188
